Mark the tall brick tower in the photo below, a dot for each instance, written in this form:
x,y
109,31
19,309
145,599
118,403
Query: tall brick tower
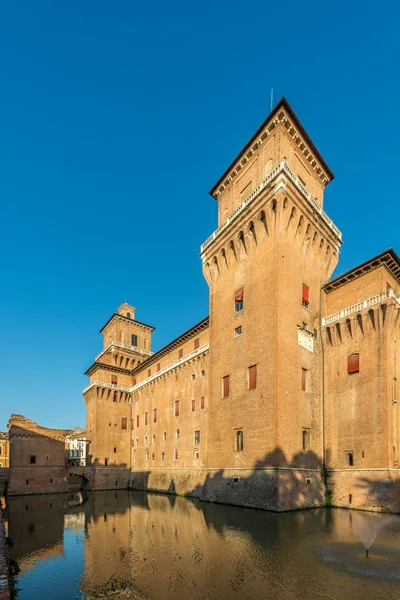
x,y
127,343
265,264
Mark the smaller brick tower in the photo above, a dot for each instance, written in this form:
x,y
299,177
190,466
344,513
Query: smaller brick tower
x,y
127,343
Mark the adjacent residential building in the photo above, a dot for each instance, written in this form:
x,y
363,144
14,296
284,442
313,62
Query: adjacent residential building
x,y
287,392
75,445
4,449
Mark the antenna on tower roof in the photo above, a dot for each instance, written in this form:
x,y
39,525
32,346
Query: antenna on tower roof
x,y
272,97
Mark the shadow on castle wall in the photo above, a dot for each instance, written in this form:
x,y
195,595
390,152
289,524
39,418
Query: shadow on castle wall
x,y
273,483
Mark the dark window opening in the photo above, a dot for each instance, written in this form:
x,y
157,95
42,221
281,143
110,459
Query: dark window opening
x,y
306,440
106,461
239,441
303,380
350,460
27,481
177,408
350,498
202,402
238,331
32,460
115,450
134,340
124,423
197,437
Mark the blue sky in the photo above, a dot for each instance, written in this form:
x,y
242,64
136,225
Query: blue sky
x,y
116,118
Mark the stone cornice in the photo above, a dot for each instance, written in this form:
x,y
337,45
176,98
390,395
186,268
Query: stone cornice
x,y
118,317
284,115
362,305
389,259
98,365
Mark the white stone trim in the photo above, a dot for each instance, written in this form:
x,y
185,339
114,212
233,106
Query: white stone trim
x,y
177,363
359,306
125,347
281,167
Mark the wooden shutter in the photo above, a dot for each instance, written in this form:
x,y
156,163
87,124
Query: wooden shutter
x,y
149,373
353,363
177,408
193,405
252,377
239,295
305,294
196,343
180,353
158,367
155,415
226,386
137,420
202,402
145,418
124,423
114,379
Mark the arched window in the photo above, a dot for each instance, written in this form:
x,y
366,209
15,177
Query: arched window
x,y
239,441
128,314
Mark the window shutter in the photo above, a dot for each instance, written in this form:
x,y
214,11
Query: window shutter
x,y
137,420
180,353
202,402
226,385
114,379
149,373
124,423
145,418
158,367
239,295
306,294
252,377
155,415
196,343
353,363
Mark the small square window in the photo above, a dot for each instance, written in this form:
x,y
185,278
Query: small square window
x,y
32,460
238,331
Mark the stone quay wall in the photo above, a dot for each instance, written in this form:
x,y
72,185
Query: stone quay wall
x,y
365,489
275,489
4,587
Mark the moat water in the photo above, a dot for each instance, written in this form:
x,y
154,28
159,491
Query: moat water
x,y
124,545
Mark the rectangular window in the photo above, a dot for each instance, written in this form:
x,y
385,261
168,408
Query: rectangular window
x,y
134,381
124,423
305,295
176,453
165,436
197,437
145,418
193,405
239,440
353,363
225,386
149,373
155,415
32,460
137,420
158,367
180,353
196,343
114,379
177,408
162,455
306,440
303,380
252,377
105,461
239,300
134,340
238,331
202,402
177,434
203,374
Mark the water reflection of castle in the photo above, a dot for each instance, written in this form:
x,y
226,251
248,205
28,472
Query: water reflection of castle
x,y
167,546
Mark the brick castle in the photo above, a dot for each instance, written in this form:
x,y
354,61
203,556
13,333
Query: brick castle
x,y
287,394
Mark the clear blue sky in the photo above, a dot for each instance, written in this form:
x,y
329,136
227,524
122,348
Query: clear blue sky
x,y
116,118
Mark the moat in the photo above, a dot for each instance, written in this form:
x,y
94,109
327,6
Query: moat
x,y
148,546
